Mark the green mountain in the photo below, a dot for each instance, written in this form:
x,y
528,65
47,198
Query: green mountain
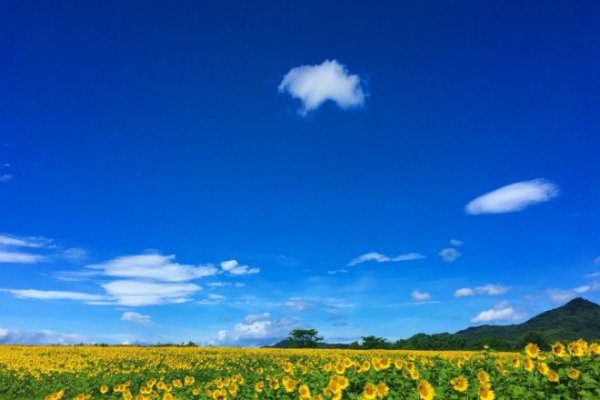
x,y
579,318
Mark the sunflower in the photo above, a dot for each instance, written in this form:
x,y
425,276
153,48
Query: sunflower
x,y
532,350
543,368
369,392
553,376
558,349
486,393
573,373
425,391
304,392
460,384
483,376
382,389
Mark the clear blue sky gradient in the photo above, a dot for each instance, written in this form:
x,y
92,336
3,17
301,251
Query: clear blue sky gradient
x,y
136,127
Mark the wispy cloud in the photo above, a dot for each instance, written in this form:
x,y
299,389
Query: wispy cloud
x,y
15,336
136,318
513,197
138,293
456,242
420,296
337,271
20,257
449,254
5,177
315,84
154,267
489,289
212,300
304,303
24,241
380,258
234,268
561,296
501,312
54,295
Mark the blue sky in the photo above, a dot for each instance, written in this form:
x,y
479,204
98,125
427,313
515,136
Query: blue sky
x,y
225,172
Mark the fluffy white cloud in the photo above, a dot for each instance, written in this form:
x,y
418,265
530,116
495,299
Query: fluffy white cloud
x,y
136,318
380,258
54,295
513,197
489,289
137,293
155,267
449,254
19,257
501,312
257,330
420,296
315,84
456,242
12,336
234,268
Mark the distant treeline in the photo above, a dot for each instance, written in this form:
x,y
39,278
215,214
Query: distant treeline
x,y
422,341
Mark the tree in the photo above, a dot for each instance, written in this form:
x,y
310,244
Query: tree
x,y
374,342
304,338
533,337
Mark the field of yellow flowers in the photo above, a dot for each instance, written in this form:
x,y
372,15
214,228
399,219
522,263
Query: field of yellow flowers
x,y
569,371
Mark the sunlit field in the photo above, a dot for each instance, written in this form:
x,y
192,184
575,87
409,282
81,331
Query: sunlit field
x,y
92,372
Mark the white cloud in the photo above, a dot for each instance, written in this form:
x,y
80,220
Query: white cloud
x,y
420,296
137,293
309,302
456,242
136,318
449,254
234,268
18,257
337,271
315,84
154,267
513,197
218,284
501,312
380,258
5,177
20,241
489,289
13,336
561,296
257,330
74,254
54,295
212,299
464,292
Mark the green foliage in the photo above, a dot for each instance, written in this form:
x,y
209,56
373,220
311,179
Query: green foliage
x,y
304,338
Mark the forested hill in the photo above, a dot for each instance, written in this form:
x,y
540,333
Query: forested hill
x,y
579,318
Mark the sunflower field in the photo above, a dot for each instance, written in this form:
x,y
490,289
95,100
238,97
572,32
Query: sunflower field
x,y
568,371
